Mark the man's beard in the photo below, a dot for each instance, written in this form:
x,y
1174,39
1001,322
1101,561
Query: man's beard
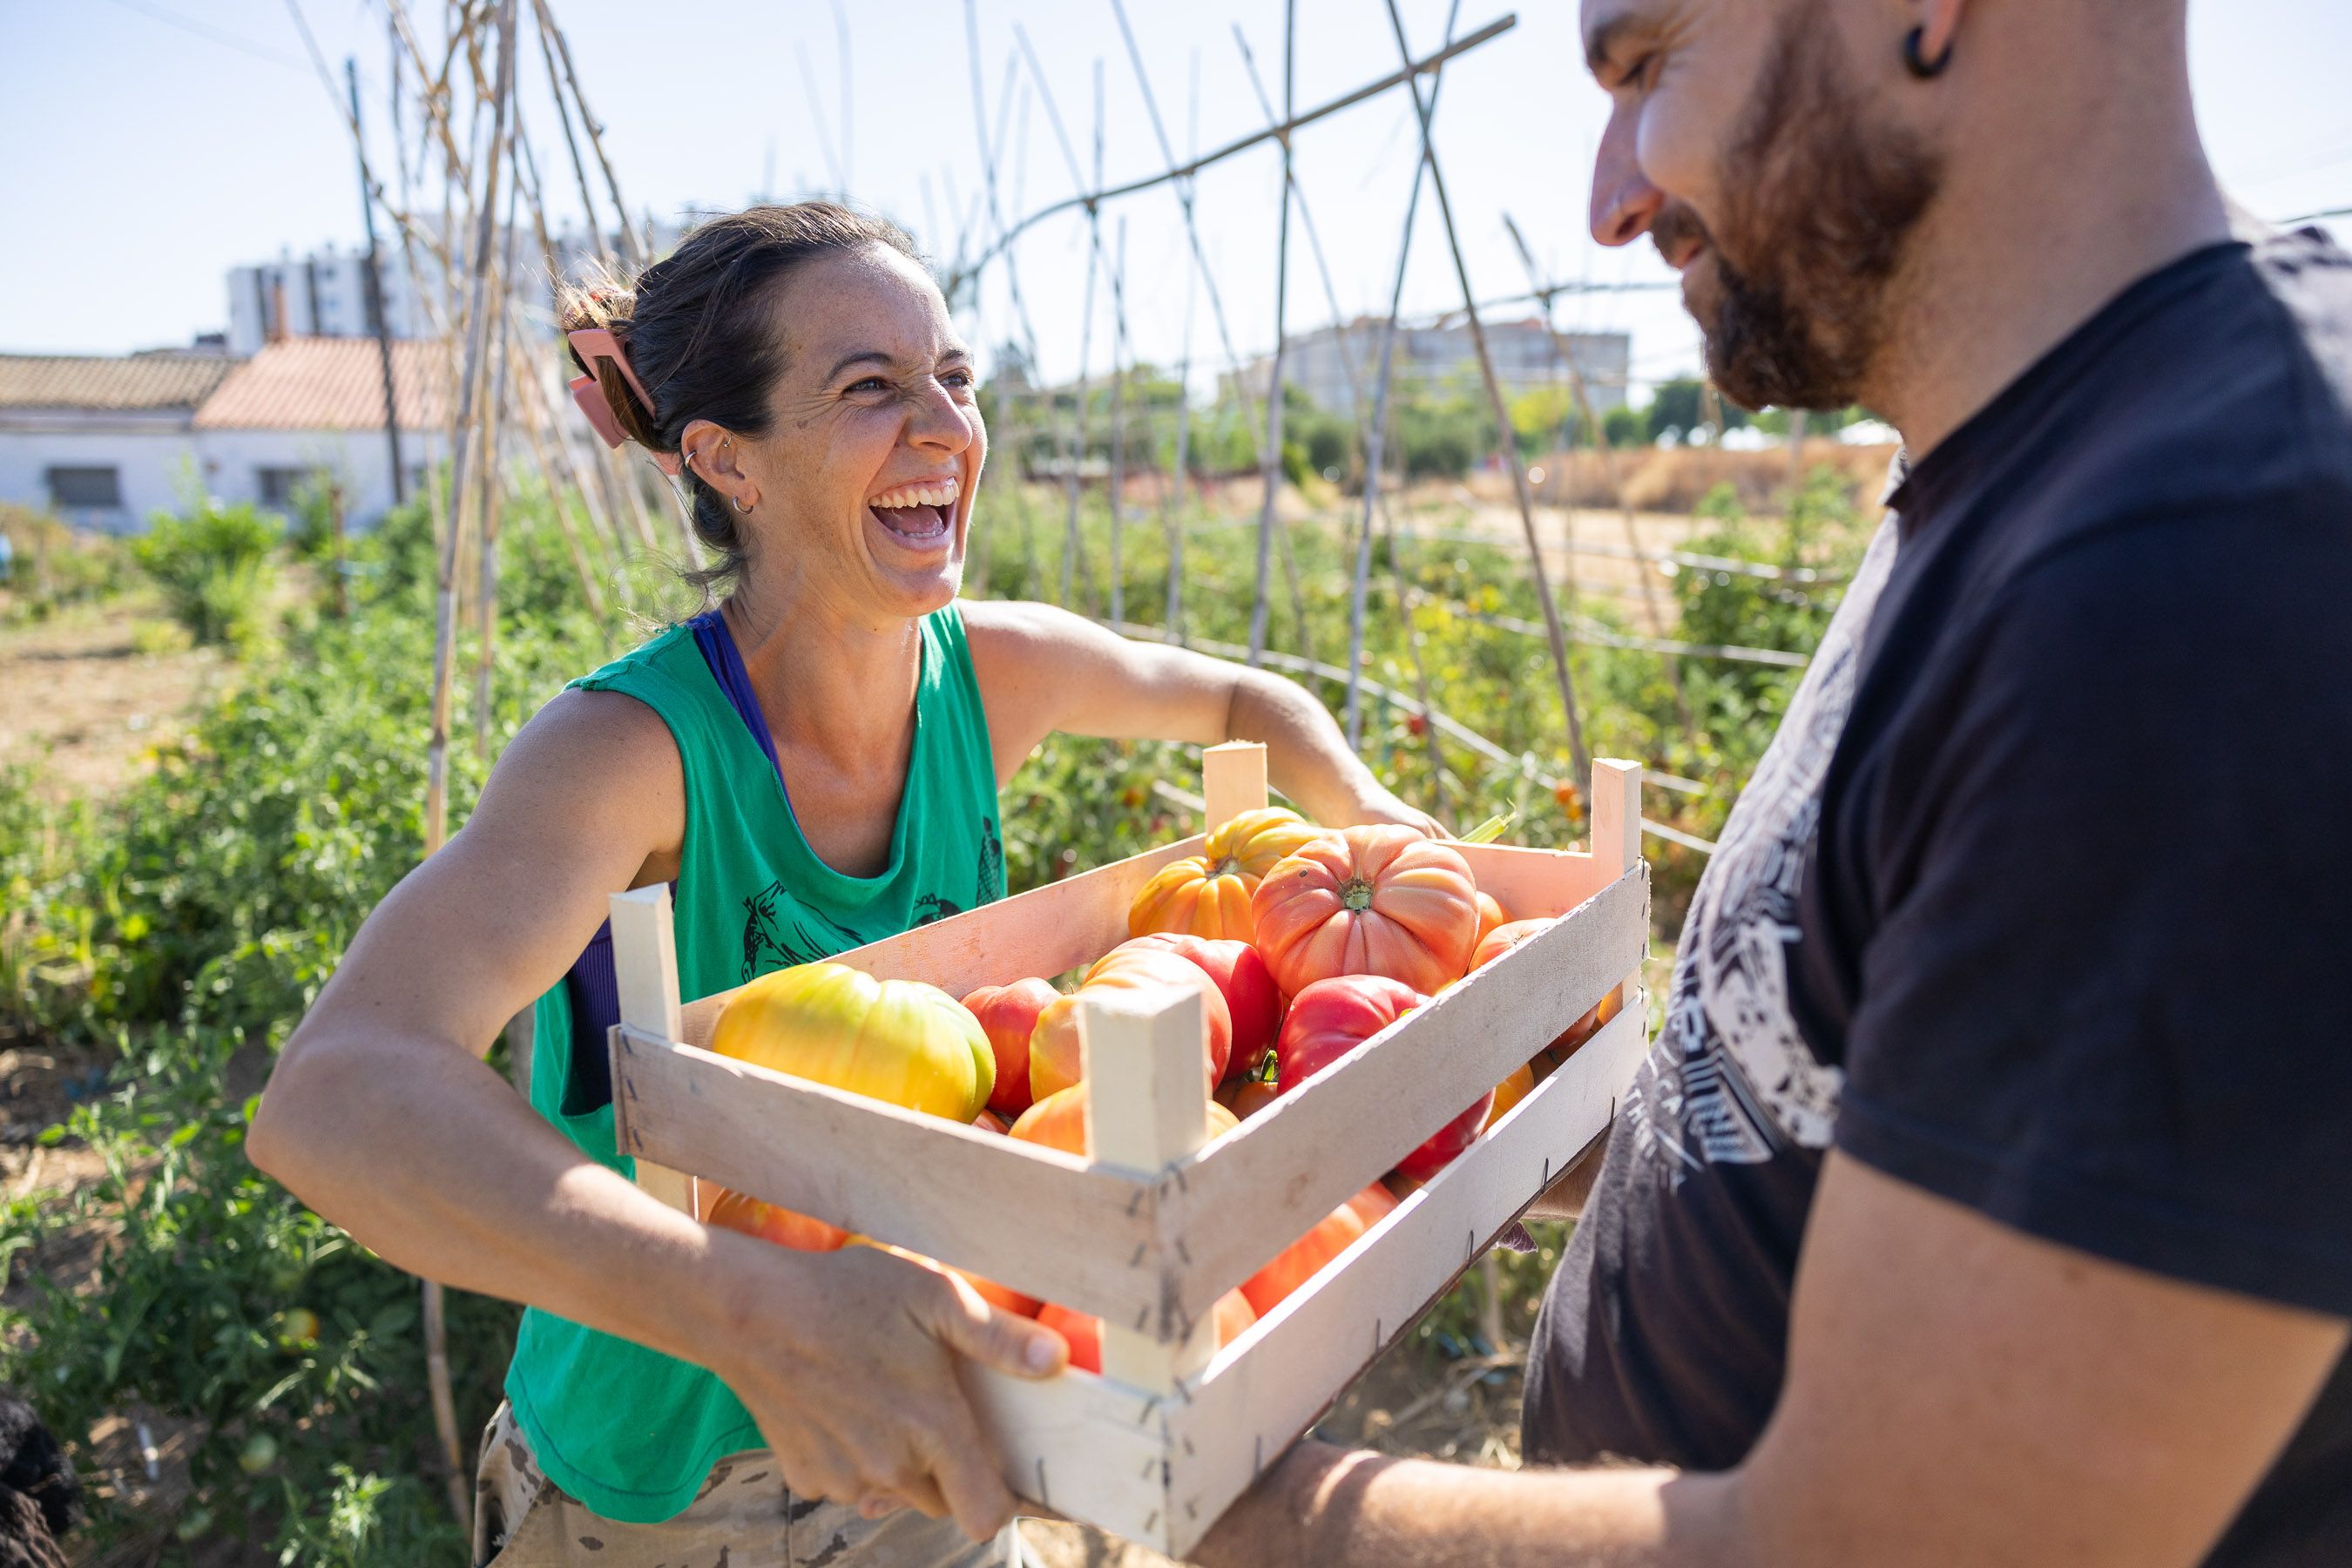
x,y
1818,207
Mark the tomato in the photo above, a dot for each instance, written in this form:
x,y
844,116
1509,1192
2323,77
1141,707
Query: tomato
x,y
1502,939
897,1040
1490,919
1448,1141
1208,894
1008,1016
1305,1257
1084,1331
989,1122
773,1222
1246,1097
1550,1059
1059,1121
1053,1056
1510,1091
1332,1018
1381,899
1241,978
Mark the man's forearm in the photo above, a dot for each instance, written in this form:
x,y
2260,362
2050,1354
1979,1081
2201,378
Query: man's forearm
x,y
1323,1504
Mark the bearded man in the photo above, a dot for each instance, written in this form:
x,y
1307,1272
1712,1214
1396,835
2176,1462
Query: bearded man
x,y
1983,1200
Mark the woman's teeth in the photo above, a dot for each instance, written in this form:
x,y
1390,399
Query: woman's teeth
x,y
941,493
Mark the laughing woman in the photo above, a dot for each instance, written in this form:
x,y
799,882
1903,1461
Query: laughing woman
x,y
812,765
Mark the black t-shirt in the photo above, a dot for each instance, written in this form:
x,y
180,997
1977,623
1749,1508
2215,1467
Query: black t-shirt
x,y
2041,899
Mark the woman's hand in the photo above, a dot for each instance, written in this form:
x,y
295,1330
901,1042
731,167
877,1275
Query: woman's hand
x,y
847,1361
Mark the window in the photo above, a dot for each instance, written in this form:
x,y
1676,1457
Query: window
x,y
281,488
85,489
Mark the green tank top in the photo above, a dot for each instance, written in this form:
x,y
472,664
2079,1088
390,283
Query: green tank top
x,y
627,1430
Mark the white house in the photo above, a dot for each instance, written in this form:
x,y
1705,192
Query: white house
x,y
106,442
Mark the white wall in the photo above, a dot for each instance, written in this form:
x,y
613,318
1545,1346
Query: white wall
x,y
156,460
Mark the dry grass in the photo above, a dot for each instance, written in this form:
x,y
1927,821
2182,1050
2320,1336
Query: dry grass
x,y
1675,480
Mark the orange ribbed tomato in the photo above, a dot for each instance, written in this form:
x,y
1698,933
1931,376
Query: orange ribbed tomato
x,y
1208,894
1059,1121
1084,1331
1250,998
1492,944
1305,1257
897,1040
1490,916
1381,899
774,1221
1053,1056
1510,1091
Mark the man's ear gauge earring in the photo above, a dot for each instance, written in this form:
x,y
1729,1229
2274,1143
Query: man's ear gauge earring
x,y
1921,66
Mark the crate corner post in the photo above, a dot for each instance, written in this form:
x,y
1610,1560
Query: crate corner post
x,y
1617,838
1146,1108
1232,781
644,963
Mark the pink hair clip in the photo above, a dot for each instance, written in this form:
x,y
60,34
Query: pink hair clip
x,y
591,344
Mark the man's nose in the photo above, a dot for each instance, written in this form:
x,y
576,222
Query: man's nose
x,y
1624,203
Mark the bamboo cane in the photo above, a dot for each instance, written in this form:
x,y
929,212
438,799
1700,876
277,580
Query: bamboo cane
x,y
1579,755
493,489
636,254
1118,442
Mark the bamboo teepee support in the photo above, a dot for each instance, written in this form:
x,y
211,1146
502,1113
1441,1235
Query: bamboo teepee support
x,y
1270,456
1580,757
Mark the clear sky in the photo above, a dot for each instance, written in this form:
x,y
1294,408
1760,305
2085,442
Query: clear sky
x,y
155,143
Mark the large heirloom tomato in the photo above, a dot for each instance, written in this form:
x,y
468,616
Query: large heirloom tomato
x,y
1368,900
773,1222
1305,1259
1084,1331
899,1040
1008,1015
1054,1061
1208,894
1242,977
1332,1018
1059,1121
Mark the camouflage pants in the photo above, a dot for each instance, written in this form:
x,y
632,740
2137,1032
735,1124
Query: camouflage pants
x,y
744,1518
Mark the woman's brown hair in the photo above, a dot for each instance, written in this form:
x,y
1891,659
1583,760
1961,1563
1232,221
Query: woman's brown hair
x,y
700,330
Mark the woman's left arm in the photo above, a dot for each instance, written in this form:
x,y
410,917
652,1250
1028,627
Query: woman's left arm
x,y
1043,669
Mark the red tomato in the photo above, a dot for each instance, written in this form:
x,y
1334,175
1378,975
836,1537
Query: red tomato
x,y
773,1222
1381,899
1492,944
1332,1018
1448,1141
989,1122
989,1290
1084,1332
1305,1259
1008,1015
1059,1121
1241,978
1054,1059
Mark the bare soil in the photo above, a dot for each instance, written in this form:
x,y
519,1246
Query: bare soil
x,y
80,702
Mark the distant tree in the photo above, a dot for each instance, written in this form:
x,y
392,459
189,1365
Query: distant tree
x,y
1624,427
1678,407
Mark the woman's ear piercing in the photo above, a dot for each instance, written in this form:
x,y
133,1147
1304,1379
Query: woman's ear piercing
x,y
1921,66
738,501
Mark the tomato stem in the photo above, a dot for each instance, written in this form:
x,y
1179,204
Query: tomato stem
x,y
1356,895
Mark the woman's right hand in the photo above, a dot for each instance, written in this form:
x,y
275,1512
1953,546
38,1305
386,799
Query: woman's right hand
x,y
847,1360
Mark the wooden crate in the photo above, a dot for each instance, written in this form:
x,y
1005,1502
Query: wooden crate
x,y
1156,1228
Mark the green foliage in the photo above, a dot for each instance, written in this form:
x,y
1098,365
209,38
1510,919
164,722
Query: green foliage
x,y
1624,427
214,565
54,567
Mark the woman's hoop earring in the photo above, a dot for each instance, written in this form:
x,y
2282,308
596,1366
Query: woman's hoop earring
x,y
1921,66
737,501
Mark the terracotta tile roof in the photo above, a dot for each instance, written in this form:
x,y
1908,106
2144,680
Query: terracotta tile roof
x,y
141,382
327,384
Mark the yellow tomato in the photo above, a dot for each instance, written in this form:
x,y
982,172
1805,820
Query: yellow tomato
x,y
897,1040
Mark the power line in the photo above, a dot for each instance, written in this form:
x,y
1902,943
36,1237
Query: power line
x,y
206,30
